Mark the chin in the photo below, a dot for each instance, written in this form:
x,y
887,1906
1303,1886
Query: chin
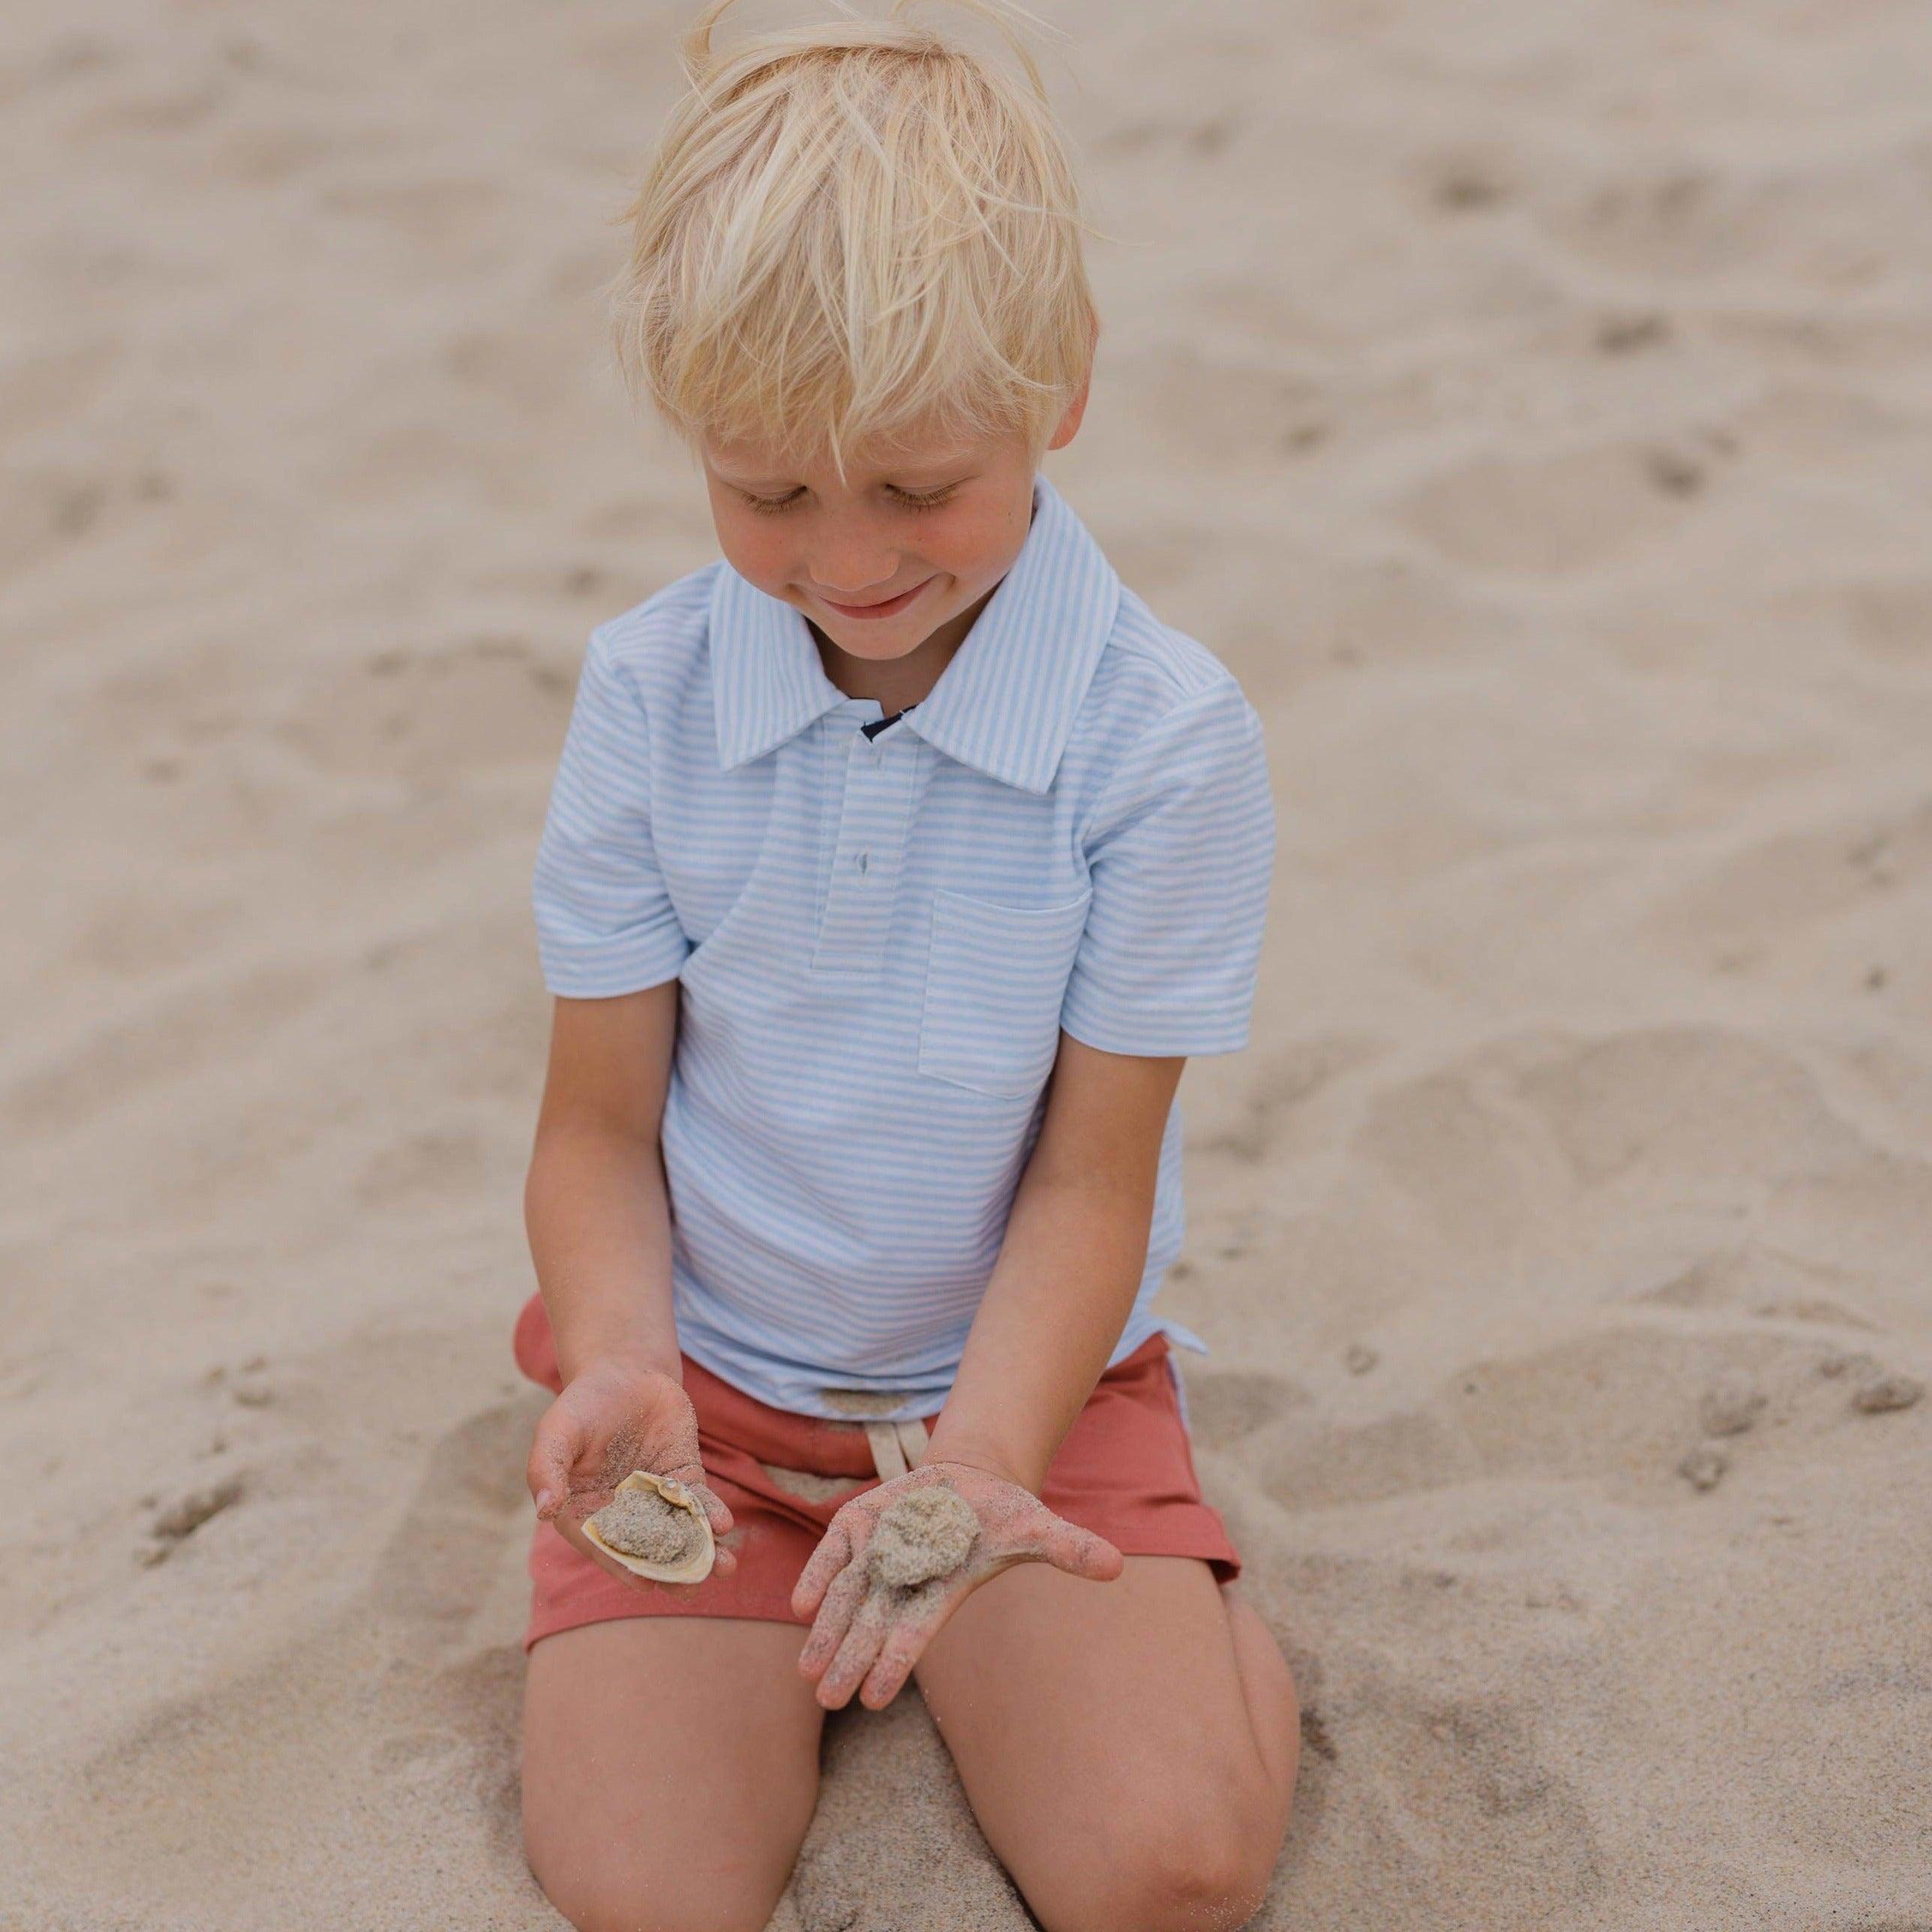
x,y
870,645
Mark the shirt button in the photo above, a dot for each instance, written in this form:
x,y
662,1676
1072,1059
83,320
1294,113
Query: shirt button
x,y
864,861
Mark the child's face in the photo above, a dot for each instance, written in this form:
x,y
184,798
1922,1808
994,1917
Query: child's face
x,y
908,543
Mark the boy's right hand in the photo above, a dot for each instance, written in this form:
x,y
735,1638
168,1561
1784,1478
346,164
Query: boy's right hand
x,y
614,1417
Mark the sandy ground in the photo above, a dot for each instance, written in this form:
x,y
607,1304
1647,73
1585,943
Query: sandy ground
x,y
1532,403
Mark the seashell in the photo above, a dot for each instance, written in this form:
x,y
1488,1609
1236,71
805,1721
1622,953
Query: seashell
x,y
693,1568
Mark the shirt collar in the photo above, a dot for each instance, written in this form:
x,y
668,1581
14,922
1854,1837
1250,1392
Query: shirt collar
x,y
1005,705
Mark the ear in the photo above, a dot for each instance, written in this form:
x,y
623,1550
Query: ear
x,y
1069,423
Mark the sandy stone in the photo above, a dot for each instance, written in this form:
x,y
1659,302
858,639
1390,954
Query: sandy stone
x,y
1888,1392
1731,1404
1704,1467
185,1517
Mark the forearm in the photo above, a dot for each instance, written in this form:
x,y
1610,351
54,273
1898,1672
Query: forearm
x,y
599,1218
1075,1251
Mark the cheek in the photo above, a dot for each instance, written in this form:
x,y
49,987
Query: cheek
x,y
755,548
978,548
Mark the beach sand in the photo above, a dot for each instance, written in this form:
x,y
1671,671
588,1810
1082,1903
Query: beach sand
x,y
1532,405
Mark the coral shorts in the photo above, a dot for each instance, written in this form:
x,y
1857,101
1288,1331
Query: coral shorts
x,y
1126,1470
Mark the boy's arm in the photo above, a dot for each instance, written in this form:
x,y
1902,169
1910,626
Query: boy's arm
x,y
599,1217
1069,1268
1074,1249
595,1203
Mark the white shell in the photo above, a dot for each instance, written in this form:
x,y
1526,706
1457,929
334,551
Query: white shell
x,y
695,1568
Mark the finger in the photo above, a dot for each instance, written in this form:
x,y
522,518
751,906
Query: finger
x,y
863,1642
1079,1552
717,1512
834,1618
554,1450
905,1643
833,1553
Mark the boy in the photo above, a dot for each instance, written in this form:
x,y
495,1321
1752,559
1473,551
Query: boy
x,y
892,868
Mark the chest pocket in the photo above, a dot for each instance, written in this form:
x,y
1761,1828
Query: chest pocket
x,y
993,986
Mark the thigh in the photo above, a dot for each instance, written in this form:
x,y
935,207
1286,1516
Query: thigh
x,y
1129,1748
671,1765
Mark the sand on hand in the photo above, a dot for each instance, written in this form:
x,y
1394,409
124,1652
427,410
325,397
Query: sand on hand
x,y
924,1535
642,1523
655,1528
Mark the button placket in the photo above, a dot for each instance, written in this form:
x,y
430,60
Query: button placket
x,y
872,825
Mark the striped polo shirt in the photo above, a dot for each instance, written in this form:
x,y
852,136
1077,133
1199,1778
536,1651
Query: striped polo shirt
x,y
880,937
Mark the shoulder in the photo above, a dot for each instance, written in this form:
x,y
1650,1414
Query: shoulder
x,y
662,643
1158,696
1162,666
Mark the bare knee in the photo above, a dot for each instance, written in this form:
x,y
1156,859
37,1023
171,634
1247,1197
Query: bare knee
x,y
1202,1872
602,1891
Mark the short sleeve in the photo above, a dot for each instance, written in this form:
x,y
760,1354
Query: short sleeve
x,y
605,924
1180,849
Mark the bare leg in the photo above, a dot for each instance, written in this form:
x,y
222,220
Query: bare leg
x,y
1129,1748
670,1766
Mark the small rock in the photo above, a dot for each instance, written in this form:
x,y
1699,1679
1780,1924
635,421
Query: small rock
x,y
1676,474
1887,1392
1314,1734
1360,1359
189,1514
1704,1467
252,1396
1731,1404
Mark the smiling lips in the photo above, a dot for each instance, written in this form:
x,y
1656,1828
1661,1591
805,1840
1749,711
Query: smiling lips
x,y
889,606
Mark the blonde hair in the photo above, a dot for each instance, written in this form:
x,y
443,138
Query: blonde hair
x,y
852,233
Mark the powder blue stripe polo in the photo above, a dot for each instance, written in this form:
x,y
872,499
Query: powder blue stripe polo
x,y
879,940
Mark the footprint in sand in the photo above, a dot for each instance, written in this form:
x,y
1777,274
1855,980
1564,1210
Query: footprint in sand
x,y
441,1558
436,1163
1834,222
1225,1405
473,705
1425,1770
226,1015
1612,1408
1286,1080
1552,515
1773,889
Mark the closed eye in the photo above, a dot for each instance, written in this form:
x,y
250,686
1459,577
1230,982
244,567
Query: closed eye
x,y
770,506
911,498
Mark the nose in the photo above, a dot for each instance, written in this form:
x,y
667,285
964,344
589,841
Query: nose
x,y
849,565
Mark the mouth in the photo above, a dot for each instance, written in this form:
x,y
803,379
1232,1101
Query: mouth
x,y
889,606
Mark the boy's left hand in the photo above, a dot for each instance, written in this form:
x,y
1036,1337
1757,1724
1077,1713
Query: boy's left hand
x,y
867,1637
